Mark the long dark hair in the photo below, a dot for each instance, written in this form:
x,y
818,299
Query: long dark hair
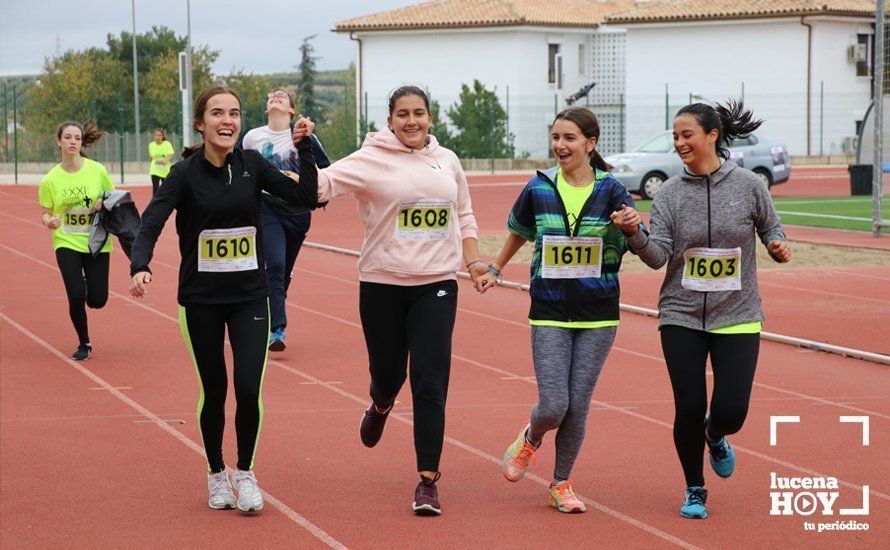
x,y
590,127
402,91
731,121
200,107
89,132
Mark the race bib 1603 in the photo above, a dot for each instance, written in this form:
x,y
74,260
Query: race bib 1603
x,y
712,269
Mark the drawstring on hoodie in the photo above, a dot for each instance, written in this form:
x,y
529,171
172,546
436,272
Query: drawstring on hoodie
x,y
229,166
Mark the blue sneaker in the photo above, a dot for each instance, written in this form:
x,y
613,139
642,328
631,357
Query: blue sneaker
x,y
276,340
722,457
694,507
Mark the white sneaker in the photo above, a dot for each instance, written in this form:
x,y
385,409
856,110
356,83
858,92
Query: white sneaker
x,y
221,495
249,497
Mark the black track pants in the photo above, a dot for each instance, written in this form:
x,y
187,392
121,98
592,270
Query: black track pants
x,y
86,284
415,321
203,328
733,359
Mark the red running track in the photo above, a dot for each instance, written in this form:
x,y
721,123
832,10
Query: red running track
x,y
79,469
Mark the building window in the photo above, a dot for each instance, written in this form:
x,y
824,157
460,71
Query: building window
x,y
864,68
552,52
582,60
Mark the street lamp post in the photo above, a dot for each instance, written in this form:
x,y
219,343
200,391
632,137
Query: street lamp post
x,y
136,86
186,129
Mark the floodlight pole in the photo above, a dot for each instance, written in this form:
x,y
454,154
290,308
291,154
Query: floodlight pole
x,y
878,171
187,93
136,86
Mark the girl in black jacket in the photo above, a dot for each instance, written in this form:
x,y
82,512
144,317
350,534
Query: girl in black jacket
x,y
222,283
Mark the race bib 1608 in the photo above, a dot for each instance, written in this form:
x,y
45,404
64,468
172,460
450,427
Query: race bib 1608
x,y
426,220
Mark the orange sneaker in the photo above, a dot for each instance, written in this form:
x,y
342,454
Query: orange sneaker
x,y
563,498
517,456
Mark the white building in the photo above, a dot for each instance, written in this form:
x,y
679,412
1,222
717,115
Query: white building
x,y
776,54
536,53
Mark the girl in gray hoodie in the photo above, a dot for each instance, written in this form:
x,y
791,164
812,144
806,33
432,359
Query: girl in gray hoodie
x,y
703,226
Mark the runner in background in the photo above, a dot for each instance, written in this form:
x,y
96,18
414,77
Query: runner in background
x,y
574,292
413,200
161,153
284,225
71,194
704,224
222,286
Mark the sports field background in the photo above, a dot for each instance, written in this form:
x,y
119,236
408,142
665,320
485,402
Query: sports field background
x,y
833,212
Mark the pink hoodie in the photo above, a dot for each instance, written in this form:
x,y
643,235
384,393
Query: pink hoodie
x,y
407,200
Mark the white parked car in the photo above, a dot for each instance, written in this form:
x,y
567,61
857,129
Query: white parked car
x,y
646,167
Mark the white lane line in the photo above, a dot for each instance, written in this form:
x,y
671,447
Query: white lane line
x,y
313,529
827,216
277,503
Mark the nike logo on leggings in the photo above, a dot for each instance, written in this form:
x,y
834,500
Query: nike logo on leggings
x,y
259,318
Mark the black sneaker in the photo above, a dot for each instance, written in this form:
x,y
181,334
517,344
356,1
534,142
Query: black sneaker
x,y
82,352
372,425
426,497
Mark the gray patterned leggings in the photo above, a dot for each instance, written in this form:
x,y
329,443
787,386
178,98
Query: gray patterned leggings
x,y
568,363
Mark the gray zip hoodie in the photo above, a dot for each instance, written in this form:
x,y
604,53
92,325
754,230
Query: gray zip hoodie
x,y
720,210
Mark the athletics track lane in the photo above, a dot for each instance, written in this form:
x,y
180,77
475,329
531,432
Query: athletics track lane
x,y
477,410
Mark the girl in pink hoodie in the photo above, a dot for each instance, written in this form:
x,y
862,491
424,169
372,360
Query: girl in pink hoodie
x,y
413,199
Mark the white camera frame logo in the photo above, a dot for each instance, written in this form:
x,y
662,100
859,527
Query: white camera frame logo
x,y
804,496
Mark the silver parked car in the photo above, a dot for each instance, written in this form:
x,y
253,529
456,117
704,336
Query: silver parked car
x,y
647,166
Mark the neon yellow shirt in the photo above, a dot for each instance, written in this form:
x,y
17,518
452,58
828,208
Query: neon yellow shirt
x,y
72,197
741,328
573,198
159,153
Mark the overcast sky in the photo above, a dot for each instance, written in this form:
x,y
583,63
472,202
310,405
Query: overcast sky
x,y
259,36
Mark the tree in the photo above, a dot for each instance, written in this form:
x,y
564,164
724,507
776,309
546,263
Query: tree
x,y
308,102
163,100
480,124
80,86
439,129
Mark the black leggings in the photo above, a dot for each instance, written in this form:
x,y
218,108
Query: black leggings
x,y
156,182
86,283
415,321
733,360
203,328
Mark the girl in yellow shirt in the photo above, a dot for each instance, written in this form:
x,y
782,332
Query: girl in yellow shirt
x,y
161,152
71,194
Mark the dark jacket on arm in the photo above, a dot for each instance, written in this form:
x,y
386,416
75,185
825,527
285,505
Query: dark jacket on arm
x,y
207,197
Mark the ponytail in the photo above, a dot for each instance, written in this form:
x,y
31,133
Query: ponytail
x,y
731,121
590,127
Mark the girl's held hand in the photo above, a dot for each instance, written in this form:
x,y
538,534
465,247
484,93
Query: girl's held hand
x,y
97,206
485,282
303,128
477,271
780,250
138,284
627,220
54,222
